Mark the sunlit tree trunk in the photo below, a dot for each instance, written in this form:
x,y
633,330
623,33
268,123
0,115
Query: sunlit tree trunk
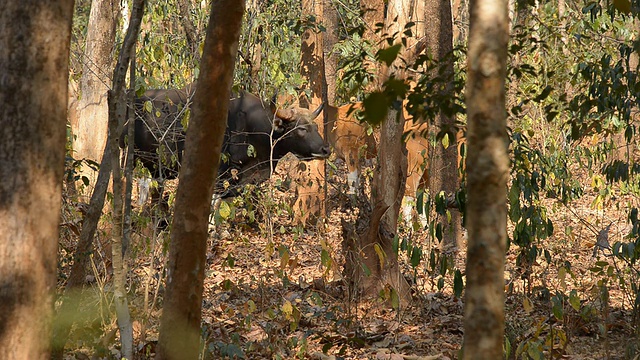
x,y
372,14
487,175
90,130
309,205
373,249
35,39
330,38
180,323
443,168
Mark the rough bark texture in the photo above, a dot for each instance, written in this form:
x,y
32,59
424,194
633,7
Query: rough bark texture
x,y
488,170
90,130
180,323
387,190
190,30
330,38
443,169
309,205
372,14
35,37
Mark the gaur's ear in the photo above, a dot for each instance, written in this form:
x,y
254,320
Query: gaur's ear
x,y
287,115
278,124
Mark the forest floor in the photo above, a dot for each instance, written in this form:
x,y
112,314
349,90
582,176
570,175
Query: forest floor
x,y
274,290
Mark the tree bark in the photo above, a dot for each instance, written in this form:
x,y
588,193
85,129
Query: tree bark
x,y
373,13
443,169
117,116
90,130
190,30
488,172
309,206
373,247
180,323
35,39
330,38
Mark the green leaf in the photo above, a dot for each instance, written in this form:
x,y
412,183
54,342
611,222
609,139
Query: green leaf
x,y
574,300
395,299
325,259
376,107
389,55
381,255
458,283
148,107
224,210
251,151
416,256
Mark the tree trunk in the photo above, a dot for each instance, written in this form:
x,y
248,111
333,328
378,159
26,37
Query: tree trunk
x,y
488,172
90,130
372,14
180,323
190,30
373,246
35,39
117,116
443,169
330,38
309,205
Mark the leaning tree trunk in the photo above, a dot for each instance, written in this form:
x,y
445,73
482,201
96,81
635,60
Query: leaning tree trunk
x,y
488,172
180,323
117,117
35,37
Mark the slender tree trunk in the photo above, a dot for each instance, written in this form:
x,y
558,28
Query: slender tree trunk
x,y
35,39
190,30
180,323
91,129
309,205
488,172
117,116
443,169
330,38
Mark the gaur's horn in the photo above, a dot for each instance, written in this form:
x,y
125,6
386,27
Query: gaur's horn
x,y
317,111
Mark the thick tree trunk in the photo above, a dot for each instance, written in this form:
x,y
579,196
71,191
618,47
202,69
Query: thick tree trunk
x,y
309,206
180,323
90,130
35,38
73,290
488,172
373,247
372,14
443,169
